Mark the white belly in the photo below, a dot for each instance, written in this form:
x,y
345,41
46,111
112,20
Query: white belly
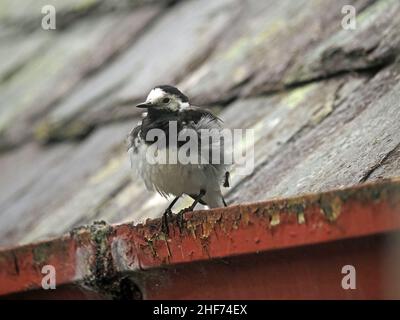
x,y
175,178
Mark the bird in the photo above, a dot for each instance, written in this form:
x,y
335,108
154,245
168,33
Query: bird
x,y
201,180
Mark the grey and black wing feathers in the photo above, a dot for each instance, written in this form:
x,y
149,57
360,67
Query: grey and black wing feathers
x,y
133,138
195,114
210,121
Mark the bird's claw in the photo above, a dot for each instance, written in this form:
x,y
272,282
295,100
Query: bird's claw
x,y
164,221
180,219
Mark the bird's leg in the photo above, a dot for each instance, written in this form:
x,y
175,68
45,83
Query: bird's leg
x,y
224,202
196,200
188,209
167,214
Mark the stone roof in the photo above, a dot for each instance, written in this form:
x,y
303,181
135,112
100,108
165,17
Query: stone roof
x,y
323,101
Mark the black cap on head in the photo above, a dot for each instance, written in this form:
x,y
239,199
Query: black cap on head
x,y
174,91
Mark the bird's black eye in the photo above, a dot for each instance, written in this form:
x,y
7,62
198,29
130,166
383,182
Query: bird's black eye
x,y
166,100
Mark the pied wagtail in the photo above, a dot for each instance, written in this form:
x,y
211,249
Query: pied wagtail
x,y
201,181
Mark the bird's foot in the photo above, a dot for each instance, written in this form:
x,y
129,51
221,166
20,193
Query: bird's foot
x,y
180,218
165,221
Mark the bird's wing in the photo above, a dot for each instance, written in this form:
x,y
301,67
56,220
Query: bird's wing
x,y
203,119
194,114
133,136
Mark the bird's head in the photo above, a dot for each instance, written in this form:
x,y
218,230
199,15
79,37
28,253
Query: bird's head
x,y
165,98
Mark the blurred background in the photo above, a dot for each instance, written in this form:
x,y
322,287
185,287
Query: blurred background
x,y
323,100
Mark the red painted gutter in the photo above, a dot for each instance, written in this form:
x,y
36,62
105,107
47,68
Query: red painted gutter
x,y
284,248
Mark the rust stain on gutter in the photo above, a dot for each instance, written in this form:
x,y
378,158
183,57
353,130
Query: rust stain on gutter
x,y
102,257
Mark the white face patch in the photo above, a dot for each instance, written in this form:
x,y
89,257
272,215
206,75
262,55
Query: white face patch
x,y
155,95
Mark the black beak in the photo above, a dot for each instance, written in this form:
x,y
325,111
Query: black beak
x,y
144,105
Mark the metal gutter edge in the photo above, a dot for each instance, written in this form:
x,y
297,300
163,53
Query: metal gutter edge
x,y
99,257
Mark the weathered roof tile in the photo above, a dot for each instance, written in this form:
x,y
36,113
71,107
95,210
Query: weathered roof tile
x,y
56,67
163,54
